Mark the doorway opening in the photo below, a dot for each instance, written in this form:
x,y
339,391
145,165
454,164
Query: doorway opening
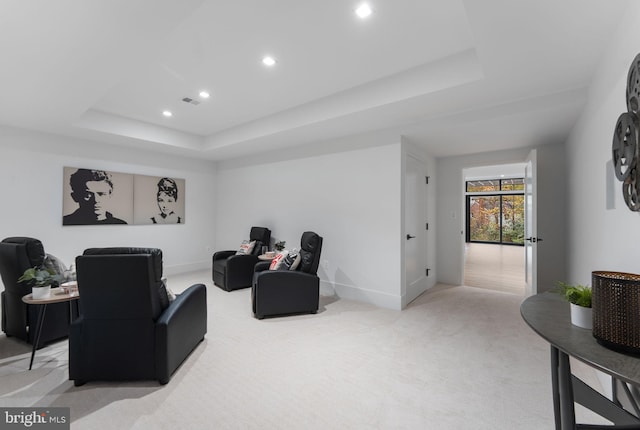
x,y
494,255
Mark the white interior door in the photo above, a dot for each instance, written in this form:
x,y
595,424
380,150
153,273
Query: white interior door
x,y
530,224
415,235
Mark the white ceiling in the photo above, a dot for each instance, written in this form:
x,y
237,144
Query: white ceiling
x,y
457,76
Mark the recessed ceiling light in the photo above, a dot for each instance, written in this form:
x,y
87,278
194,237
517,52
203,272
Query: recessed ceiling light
x,y
167,113
204,94
364,10
268,61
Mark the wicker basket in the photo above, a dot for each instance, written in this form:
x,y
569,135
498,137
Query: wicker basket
x,y
616,310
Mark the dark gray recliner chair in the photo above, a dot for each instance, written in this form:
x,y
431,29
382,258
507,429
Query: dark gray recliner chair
x,y
231,271
127,329
280,292
19,319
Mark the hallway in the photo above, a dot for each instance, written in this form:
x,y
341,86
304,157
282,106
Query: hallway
x,y
495,267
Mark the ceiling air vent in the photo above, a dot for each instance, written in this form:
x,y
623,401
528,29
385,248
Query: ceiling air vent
x,y
191,101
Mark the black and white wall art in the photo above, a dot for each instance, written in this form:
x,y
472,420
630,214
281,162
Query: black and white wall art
x,y
96,197
158,200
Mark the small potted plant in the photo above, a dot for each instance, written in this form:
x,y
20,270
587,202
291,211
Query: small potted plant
x,y
280,245
40,280
579,296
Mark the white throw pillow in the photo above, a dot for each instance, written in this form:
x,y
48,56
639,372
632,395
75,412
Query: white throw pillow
x,y
246,248
276,263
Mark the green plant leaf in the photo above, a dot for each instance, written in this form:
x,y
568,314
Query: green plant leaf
x,y
39,277
577,294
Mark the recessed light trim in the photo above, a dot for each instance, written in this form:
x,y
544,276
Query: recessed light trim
x,y
167,113
269,61
364,11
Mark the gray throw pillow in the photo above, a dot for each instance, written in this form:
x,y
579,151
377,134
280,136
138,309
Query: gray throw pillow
x,y
55,265
291,260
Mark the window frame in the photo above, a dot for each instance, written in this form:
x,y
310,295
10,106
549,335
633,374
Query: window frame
x,y
500,193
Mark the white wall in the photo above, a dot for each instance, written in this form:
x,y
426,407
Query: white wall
x,y
602,237
31,166
551,211
351,198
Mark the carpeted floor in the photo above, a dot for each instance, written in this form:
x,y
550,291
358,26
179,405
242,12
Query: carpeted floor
x,y
456,358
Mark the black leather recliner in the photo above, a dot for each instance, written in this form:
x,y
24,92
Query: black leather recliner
x,y
127,329
279,292
231,271
19,319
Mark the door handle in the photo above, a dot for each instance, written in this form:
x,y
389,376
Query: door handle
x,y
410,237
533,239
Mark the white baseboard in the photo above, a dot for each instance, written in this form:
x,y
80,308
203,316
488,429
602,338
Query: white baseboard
x,y
185,268
412,295
349,292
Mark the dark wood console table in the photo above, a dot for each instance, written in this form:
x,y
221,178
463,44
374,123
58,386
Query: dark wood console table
x,y
548,315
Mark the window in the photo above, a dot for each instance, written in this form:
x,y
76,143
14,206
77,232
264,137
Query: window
x,y
495,211
512,184
485,186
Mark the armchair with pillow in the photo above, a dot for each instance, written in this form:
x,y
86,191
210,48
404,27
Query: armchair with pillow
x,y
128,329
290,285
233,270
